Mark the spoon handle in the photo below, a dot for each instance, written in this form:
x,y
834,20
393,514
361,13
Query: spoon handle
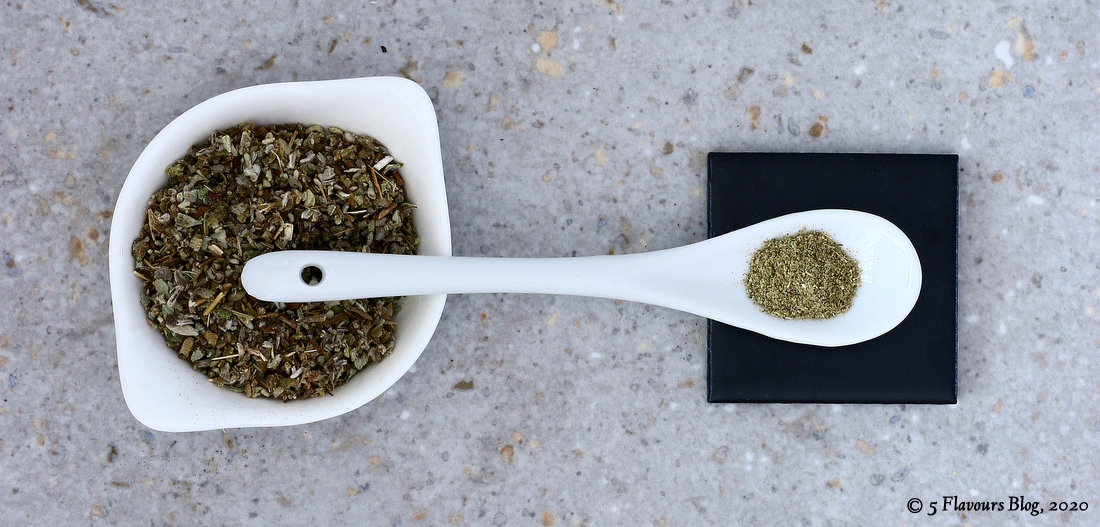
x,y
277,276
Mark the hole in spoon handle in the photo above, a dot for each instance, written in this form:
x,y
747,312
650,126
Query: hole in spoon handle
x,y
312,275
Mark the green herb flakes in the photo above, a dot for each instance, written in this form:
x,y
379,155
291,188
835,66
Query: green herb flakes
x,y
251,190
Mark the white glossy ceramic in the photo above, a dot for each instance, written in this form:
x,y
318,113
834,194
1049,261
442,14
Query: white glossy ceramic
x,y
704,278
161,390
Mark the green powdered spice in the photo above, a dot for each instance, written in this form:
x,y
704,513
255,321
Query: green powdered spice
x,y
251,190
802,276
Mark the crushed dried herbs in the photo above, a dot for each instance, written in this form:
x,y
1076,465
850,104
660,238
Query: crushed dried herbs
x,y
807,275
256,189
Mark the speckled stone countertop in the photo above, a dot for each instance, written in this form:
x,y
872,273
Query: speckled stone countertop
x,y
574,129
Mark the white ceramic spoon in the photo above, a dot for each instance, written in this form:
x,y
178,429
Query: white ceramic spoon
x,y
703,278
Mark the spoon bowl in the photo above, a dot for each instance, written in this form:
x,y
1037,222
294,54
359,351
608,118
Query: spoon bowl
x,y
161,390
704,278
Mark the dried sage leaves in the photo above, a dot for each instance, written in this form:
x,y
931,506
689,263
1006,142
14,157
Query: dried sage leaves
x,y
256,189
802,276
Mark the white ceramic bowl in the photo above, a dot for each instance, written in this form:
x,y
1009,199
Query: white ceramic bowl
x,y
161,390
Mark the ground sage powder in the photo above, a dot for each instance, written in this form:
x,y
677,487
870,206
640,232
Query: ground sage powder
x,y
806,275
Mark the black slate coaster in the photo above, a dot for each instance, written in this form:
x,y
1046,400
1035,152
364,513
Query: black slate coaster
x,y
913,363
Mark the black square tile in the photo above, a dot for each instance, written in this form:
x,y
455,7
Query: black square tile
x,y
913,363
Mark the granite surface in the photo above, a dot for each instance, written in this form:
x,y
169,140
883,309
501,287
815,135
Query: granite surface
x,y
572,128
